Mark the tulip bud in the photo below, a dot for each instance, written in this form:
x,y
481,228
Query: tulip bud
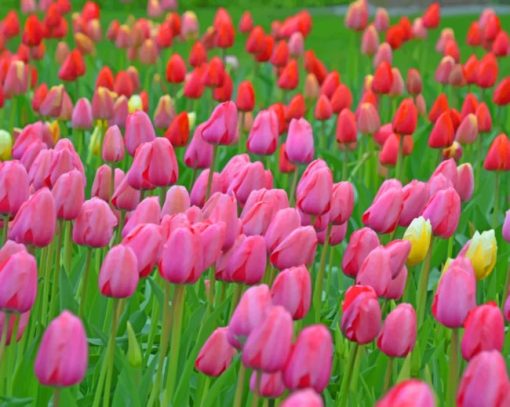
x,y
368,119
498,156
118,276
69,194
13,187
409,392
415,197
300,144
263,137
18,282
361,243
221,127
82,115
419,235
313,192
292,290
383,215
271,384
216,354
303,398
398,335
63,353
138,131
134,353
296,249
147,211
113,145
443,212
482,251
375,271
361,314
95,223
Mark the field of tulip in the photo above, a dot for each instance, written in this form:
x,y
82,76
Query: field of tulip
x,y
274,207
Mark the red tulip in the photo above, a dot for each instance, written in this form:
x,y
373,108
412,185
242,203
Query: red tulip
x,y
361,314
73,67
498,156
405,118
442,135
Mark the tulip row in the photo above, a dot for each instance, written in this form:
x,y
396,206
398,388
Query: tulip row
x,y
284,274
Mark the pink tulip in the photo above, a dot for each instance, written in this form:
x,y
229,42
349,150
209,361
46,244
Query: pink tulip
x,y
263,137
102,186
296,249
368,120
313,194
369,41
485,381
18,282
260,209
113,145
303,398
309,364
448,169
409,392
223,208
82,115
506,227
69,194
181,260
146,242
300,145
296,44
232,168
361,243
118,276
467,132
484,329
139,130
63,353
212,235
154,165
281,225
375,271
8,321
398,335
125,197
342,202
269,343
199,189
251,177
443,212
361,314
39,173
120,112
216,354
455,295
415,196
399,251
271,384
147,211
177,200
221,127
397,285
384,213
292,289
34,223
336,236
13,187
94,225
381,19
465,182
199,152
249,313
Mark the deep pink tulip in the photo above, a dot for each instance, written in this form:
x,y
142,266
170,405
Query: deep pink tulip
x,y
198,152
386,186
244,262
221,127
384,213
271,384
118,276
484,329
398,334
397,285
303,398
146,242
18,282
443,212
263,137
398,250
361,314
181,257
139,130
177,200
249,313
154,165
375,271
95,223
342,202
69,194
415,196
223,208
251,177
409,392
313,194
292,289
102,185
82,115
147,211
39,173
448,169
485,382
269,343
34,224
212,235
437,183
282,224
216,354
113,145
63,353
361,243
465,182
13,187
125,197
455,295
309,364
260,209
300,145
296,249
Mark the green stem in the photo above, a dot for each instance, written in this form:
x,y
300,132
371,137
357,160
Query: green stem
x,y
346,380
56,272
212,287
453,373
48,266
320,274
3,338
154,327
422,285
345,162
56,397
5,228
165,335
496,201
85,281
122,219
238,398
256,393
292,191
204,390
68,247
173,355
400,158
238,290
388,375
211,173
111,350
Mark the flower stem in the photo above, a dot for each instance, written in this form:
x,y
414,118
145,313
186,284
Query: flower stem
x,y
56,271
453,376
387,376
56,397
292,191
238,398
422,285
111,350
320,274
85,281
211,173
256,393
5,228
496,201
346,380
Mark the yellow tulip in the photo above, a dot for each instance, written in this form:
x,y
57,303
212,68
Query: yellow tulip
x,y
135,103
483,251
418,233
54,128
192,119
5,145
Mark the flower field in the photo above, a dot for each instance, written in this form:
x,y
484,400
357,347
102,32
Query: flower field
x,y
264,207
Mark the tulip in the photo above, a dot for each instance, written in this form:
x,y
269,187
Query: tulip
x,y
376,271
467,132
346,131
356,17
95,223
418,234
13,187
271,384
118,276
303,398
289,76
368,120
361,314
260,208
482,251
398,335
292,289
443,212
164,113
18,279
397,285
281,225
296,249
216,354
506,227
124,196
69,194
314,189
199,153
113,145
309,363
63,353
399,251
7,322
442,135
465,181
415,197
138,131
223,208
250,177
487,72
145,240
455,295
383,215
263,137
369,41
300,145
249,313
177,200
485,381
498,156
147,211
221,127
409,392
82,115
405,118
361,243
35,220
